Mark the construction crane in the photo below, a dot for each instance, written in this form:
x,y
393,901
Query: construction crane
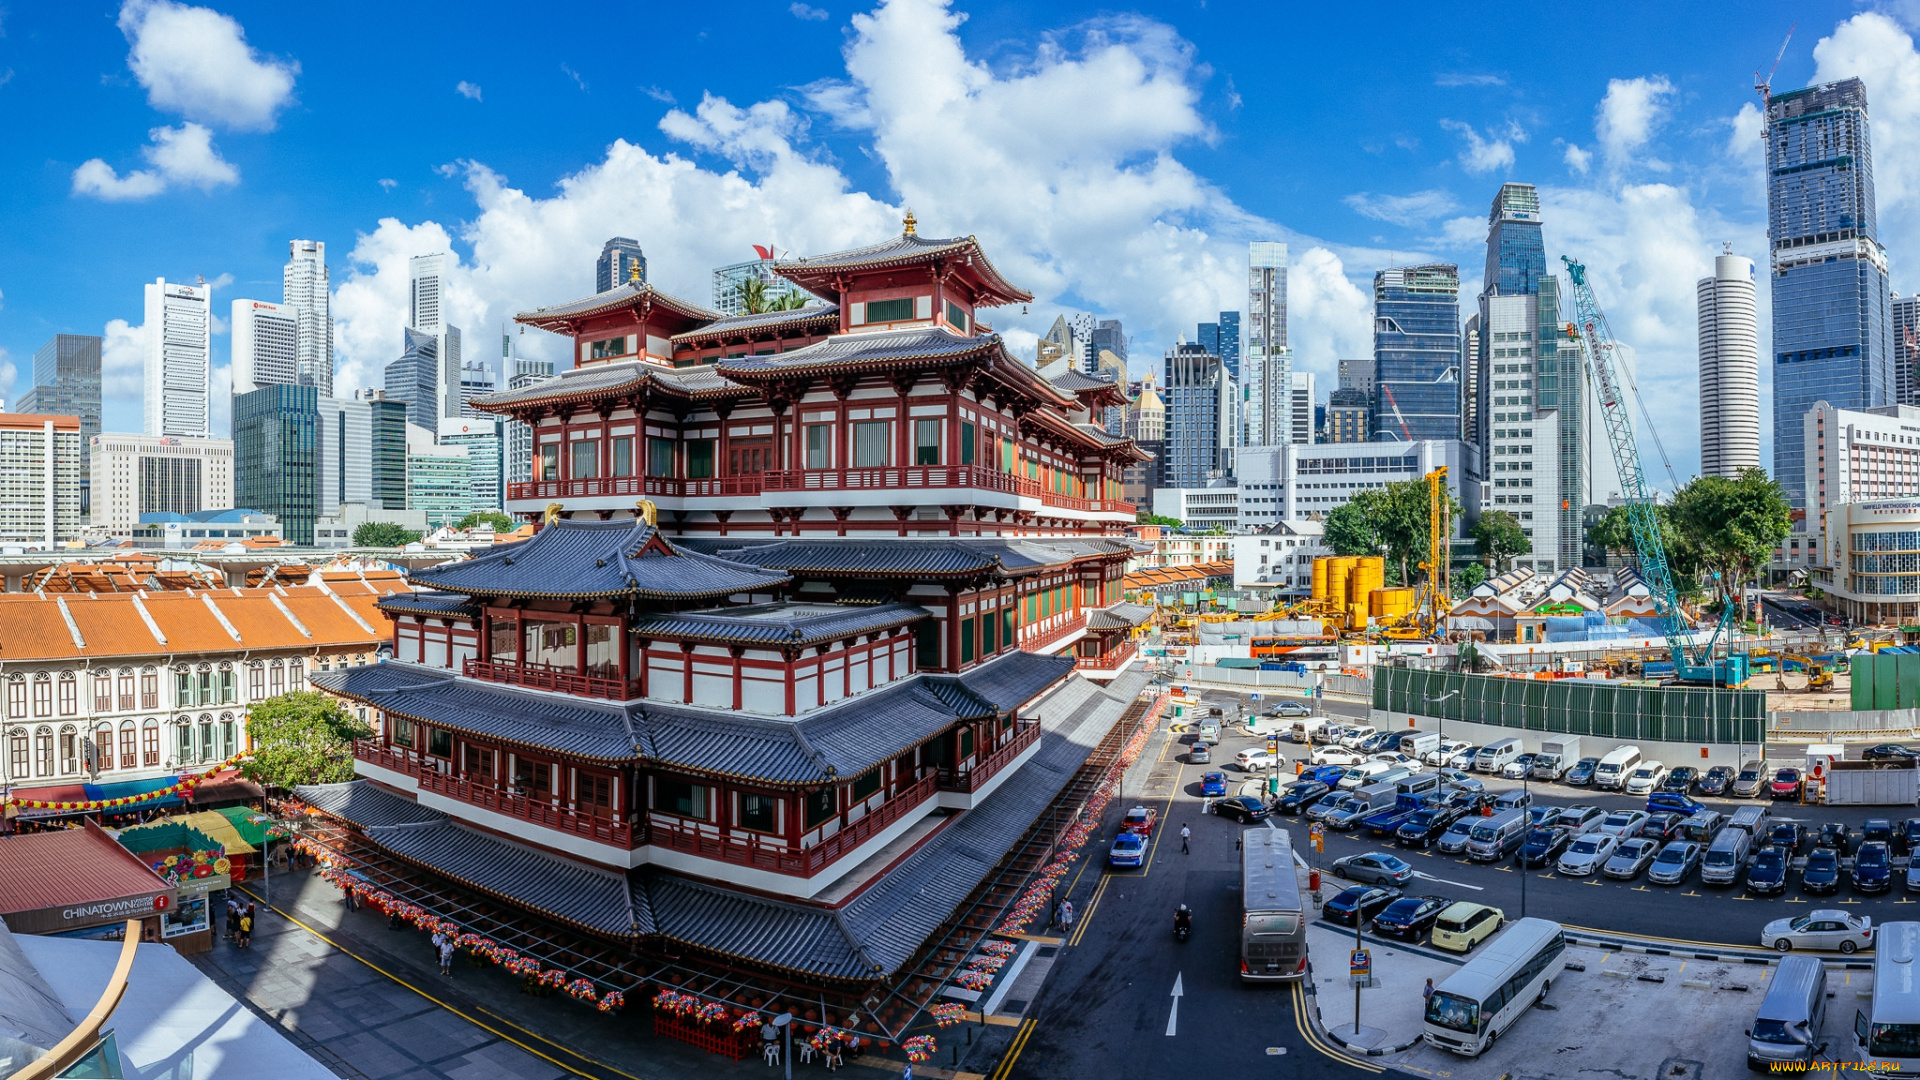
x,y
1764,87
1592,330
1436,596
1404,430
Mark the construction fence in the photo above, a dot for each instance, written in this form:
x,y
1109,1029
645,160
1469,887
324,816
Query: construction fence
x,y
1575,706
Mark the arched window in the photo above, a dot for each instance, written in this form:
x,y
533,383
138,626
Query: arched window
x,y
16,697
150,743
206,738
43,751
223,680
276,679
103,745
129,745
69,750
256,681
149,688
182,740
296,674
229,734
42,694
69,694
102,691
128,702
183,687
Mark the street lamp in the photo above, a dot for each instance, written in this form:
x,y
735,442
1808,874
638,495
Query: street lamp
x,y
784,1023
1443,739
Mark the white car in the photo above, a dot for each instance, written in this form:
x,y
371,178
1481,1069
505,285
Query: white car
x,y
1334,755
1646,778
1623,823
1357,735
1587,854
1823,929
1259,760
1450,748
1464,759
1395,758
1518,768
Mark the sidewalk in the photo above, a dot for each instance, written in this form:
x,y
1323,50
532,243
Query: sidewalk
x,y
1392,1012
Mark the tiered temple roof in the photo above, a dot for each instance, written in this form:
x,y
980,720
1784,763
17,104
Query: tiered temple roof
x,y
578,560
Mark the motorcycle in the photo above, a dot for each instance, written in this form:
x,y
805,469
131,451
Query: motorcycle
x,y
1182,925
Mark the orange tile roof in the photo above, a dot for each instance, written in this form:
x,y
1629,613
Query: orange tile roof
x,y
33,628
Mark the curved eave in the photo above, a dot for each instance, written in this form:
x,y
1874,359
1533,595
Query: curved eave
x,y
429,613
816,369
635,758
561,318
503,897
819,278
807,642
642,594
646,384
767,965
826,317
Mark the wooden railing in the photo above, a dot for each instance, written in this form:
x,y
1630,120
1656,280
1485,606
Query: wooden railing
x,y
779,858
890,478
900,478
1041,639
1109,660
486,796
650,486
971,779
544,677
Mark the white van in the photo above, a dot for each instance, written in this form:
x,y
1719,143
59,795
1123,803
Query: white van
x,y
1726,857
1420,745
1495,838
1611,773
1495,755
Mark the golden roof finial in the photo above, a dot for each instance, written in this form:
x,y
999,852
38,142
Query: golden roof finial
x,y
551,514
909,222
649,513
634,273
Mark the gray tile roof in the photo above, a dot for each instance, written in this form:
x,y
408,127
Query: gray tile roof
x,y
581,559
577,726
365,805
796,937
1119,617
778,624
1016,678
458,605
619,378
905,556
827,315
624,295
817,271
921,343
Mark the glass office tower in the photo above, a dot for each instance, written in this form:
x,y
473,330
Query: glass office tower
x,y
1416,351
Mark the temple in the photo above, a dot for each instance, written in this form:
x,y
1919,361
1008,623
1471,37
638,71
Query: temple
x,y
822,619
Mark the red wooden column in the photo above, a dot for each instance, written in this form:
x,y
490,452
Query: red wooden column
x,y
485,649
953,629
580,645
624,651
686,668
737,692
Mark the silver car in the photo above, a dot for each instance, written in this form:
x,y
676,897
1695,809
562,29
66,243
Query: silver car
x,y
1823,929
1623,823
1675,861
1454,840
1587,854
1630,857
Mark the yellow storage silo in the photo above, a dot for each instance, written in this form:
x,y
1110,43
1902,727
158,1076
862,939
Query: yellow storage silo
x,y
1369,573
1391,603
1320,577
1338,568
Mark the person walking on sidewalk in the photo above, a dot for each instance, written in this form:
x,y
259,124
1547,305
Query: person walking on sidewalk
x,y
1427,994
1185,835
446,955
1066,916
244,936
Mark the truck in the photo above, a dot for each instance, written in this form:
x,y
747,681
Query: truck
x,y
1556,756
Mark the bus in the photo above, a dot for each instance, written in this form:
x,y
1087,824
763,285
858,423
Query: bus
x,y
1887,1038
1273,922
1478,1003
1295,648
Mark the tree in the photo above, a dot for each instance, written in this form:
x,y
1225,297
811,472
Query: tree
x,y
1145,517
498,521
1391,522
754,300
304,737
1733,524
383,534
1614,533
1498,537
1353,529
1468,579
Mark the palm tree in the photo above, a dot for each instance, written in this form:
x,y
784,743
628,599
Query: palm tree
x,y
755,299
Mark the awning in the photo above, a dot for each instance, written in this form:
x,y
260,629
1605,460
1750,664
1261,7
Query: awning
x,y
250,824
227,785
220,829
135,789
55,794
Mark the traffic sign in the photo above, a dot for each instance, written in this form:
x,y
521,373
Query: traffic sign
x,y
1360,963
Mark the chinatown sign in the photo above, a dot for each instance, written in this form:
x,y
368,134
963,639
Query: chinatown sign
x,y
55,920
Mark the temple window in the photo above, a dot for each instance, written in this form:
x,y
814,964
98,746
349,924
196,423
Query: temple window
x,y
603,656
988,644
607,348
552,644
550,461
870,443
623,456
532,779
402,729
956,316
586,459
477,763
897,310
760,813
926,442
926,645
595,795
659,456
819,446
501,647
866,785
966,640
439,742
699,459
821,806
966,443
966,742
680,797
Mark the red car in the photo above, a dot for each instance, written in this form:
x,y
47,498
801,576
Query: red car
x,y
1140,820
1785,784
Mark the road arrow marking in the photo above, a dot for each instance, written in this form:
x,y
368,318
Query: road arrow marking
x,y
1173,1017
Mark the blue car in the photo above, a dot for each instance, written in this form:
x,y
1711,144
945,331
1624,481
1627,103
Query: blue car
x,y
1327,774
1873,868
1129,849
1213,783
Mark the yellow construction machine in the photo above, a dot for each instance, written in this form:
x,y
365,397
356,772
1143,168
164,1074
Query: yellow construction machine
x,y
1819,676
1429,616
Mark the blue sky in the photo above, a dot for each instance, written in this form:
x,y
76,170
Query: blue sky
x,y
1114,160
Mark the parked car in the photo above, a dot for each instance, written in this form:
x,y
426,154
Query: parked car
x,y
1542,816
1241,808
1907,840
1788,836
1785,784
1876,830
1821,875
1913,877
1578,820
1464,925
1326,774
1512,800
1632,856
1587,854
1767,874
1213,783
1410,916
1289,707
1358,904
1448,750
1427,824
1463,759
1662,827
1873,867
1259,759
1299,795
1581,775
1623,823
1645,778
1889,752
1836,835
1820,930
1462,781
1715,781
1335,755
1674,863
1334,802
1454,840
1375,866
1386,822
1129,849
1356,735
1377,742
1680,780
1543,845
1518,767
1470,802
1751,780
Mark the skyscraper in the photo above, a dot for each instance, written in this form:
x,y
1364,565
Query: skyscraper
x,y
728,282
480,436
414,379
179,360
1347,412
1300,407
361,454
304,288
476,379
619,258
1109,335
266,345
1905,311
276,456
1831,327
1729,369
1222,339
426,313
518,437
1416,352
1199,411
1521,388
66,382
1265,373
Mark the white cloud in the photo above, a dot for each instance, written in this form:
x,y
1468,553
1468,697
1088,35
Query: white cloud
x,y
1064,164
1484,154
196,62
1469,78
7,374
658,94
470,91
1630,113
807,11
1874,48
1577,159
575,76
1415,209
123,360
181,157
388,183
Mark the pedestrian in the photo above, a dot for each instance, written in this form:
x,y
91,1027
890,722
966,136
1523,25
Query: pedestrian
x,y
244,938
233,918
446,957
438,940
1066,915
1185,835
352,901
1427,994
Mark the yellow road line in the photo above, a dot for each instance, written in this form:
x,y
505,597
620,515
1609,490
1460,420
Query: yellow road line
x,y
1019,1043
1092,905
1305,1027
476,1023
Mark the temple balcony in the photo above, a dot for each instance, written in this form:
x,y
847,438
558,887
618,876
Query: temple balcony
x,y
741,848
548,677
858,486
652,487
1110,663
972,778
542,812
1053,631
